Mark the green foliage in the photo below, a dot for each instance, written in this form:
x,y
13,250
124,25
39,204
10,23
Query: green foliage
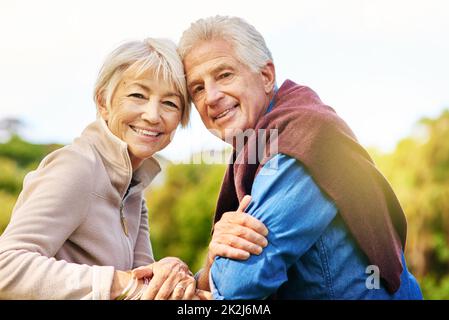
x,y
11,176
7,202
418,170
181,212
25,153
17,158
434,289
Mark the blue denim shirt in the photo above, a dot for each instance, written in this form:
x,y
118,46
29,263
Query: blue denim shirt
x,y
310,255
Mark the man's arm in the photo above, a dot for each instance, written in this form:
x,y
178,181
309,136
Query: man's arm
x,y
296,213
236,235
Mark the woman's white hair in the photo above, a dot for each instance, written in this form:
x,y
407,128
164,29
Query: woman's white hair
x,y
156,55
248,44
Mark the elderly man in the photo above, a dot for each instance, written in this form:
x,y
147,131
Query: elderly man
x,y
336,229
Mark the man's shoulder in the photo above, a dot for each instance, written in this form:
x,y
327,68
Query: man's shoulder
x,y
284,176
281,170
278,163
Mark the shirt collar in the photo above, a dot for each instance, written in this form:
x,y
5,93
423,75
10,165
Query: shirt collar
x,y
270,106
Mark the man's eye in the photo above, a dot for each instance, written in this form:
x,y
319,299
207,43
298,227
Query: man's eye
x,y
170,104
197,90
137,95
224,75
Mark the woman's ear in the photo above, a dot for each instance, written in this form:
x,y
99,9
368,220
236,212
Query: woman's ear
x,y
101,106
269,76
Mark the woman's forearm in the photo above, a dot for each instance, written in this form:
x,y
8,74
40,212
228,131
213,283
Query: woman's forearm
x,y
29,275
119,283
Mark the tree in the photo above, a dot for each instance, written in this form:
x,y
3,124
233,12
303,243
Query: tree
x,y
419,173
181,211
9,127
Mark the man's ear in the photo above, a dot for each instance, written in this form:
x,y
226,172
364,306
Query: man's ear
x,y
269,76
101,106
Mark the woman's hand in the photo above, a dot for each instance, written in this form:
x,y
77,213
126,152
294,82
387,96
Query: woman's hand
x,y
170,279
237,235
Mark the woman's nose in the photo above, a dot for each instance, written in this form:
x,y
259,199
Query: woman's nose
x,y
152,112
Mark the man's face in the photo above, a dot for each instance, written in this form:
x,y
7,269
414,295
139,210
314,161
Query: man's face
x,y
228,95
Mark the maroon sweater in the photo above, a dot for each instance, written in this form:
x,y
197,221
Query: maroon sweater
x,y
312,133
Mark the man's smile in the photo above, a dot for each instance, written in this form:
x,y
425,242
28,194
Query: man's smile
x,y
224,113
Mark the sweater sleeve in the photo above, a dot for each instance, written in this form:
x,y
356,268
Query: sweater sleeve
x,y
143,253
53,203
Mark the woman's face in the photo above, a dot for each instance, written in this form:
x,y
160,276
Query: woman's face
x,y
144,113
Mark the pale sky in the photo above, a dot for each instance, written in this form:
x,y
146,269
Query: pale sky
x,y
382,65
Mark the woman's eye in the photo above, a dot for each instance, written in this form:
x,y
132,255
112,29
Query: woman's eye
x,y
137,95
171,104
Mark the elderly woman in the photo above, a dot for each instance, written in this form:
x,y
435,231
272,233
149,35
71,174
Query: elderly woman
x,y
79,229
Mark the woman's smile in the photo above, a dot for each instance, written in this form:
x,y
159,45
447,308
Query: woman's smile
x,y
149,134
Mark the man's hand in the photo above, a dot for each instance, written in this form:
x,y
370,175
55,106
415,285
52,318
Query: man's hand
x,y
202,295
170,279
237,235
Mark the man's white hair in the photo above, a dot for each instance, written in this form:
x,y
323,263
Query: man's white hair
x,y
156,55
249,45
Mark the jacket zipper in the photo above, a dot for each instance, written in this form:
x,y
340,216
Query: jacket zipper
x,y
123,219
124,224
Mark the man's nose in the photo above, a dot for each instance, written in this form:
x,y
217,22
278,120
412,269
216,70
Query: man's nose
x,y
213,94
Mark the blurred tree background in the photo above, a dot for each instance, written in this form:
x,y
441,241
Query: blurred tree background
x,y
182,206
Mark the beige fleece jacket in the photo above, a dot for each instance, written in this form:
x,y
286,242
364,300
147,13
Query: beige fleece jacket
x,y
65,237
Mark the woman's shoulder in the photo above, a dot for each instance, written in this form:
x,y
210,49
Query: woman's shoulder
x,y
73,162
78,156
